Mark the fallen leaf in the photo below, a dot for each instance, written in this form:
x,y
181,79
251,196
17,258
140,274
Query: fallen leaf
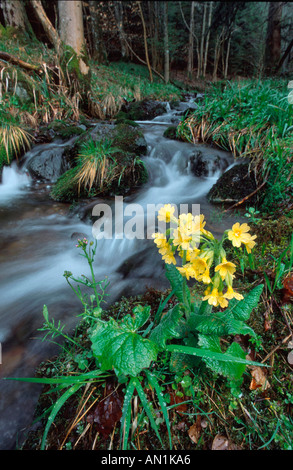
x,y
220,443
195,430
108,411
288,289
290,358
223,443
177,400
259,379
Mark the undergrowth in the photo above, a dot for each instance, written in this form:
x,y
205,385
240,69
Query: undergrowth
x,y
254,120
174,369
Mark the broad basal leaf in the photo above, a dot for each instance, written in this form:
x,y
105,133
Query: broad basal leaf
x,y
219,323
242,309
119,346
176,281
169,327
232,369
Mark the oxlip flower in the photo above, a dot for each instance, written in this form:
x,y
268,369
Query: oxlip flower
x,y
230,294
166,213
239,234
226,270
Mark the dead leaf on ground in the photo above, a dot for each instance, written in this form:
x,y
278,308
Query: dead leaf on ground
x,y
195,430
290,358
223,443
259,379
178,400
288,289
108,411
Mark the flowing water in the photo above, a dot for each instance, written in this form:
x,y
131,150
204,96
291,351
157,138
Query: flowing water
x,y
38,238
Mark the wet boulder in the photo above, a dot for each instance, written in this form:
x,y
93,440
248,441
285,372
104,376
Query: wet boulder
x,y
48,164
235,184
144,110
206,164
129,139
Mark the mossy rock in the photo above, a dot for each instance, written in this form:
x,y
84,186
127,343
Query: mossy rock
x,y
142,110
64,130
123,119
233,185
129,139
131,174
66,187
171,133
130,171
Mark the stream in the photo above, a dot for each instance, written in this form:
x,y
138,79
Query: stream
x,y
38,243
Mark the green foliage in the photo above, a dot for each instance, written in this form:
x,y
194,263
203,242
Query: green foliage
x,y
66,187
120,346
254,119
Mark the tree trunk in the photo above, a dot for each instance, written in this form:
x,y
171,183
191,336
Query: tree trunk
x,y
71,29
207,40
14,14
286,53
145,42
153,33
118,10
166,45
190,63
50,31
99,52
227,57
273,38
217,52
202,39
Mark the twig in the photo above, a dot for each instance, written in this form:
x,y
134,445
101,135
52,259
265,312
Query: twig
x,y
276,348
245,198
13,60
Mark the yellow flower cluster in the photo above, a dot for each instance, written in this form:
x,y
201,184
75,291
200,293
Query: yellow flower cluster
x,y
200,251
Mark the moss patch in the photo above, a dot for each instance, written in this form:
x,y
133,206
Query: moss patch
x,y
233,185
129,139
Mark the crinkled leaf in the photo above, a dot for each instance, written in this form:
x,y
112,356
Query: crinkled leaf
x,y
231,369
220,324
176,281
180,361
118,346
168,328
242,309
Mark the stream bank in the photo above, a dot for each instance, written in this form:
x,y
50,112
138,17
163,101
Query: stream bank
x,y
38,244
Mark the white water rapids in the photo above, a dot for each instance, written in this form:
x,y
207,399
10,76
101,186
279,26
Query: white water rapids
x,y
38,245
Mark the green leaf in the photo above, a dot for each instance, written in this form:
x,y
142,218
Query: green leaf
x,y
168,328
147,408
118,346
242,309
126,413
231,369
219,324
59,403
176,281
180,362
65,380
154,383
211,355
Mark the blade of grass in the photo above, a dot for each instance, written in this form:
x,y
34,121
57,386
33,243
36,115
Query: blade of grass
x,y
147,408
154,383
126,414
